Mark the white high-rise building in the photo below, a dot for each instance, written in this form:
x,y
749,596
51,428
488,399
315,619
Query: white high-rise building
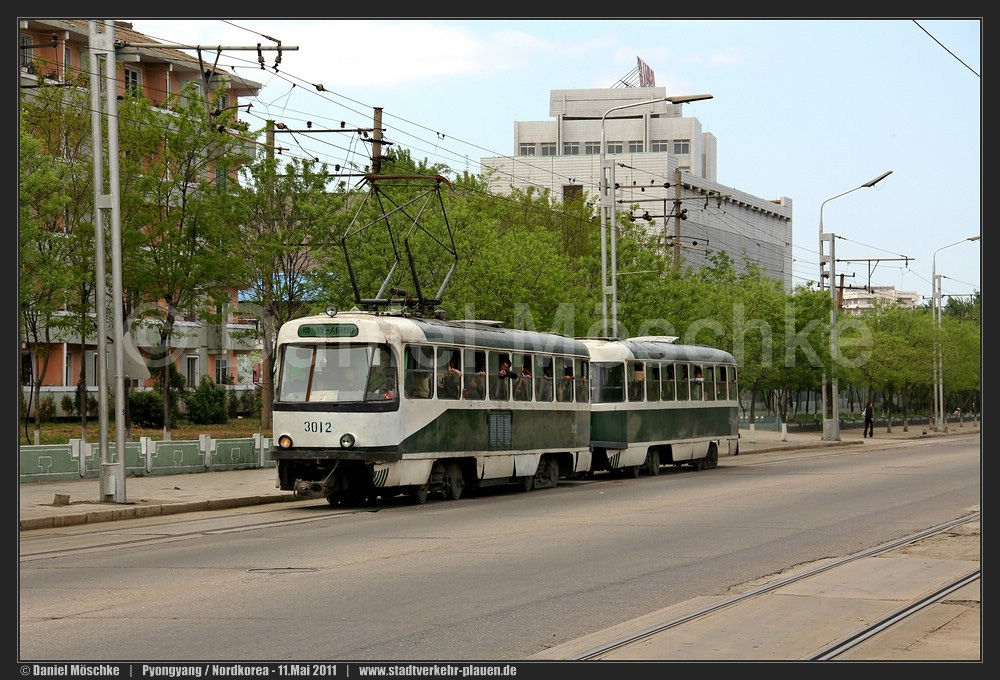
x,y
663,166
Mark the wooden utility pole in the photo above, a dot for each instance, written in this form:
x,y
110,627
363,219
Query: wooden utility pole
x,y
677,220
377,142
267,360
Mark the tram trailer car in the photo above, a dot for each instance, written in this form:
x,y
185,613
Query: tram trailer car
x,y
379,404
656,402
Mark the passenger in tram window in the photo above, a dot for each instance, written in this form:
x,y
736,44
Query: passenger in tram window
x,y
449,384
475,380
418,386
543,391
522,388
382,381
505,369
564,388
697,385
636,387
418,380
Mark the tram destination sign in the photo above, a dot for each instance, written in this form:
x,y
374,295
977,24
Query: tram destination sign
x,y
328,330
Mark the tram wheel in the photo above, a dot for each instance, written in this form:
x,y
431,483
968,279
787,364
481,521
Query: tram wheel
x,y
552,470
698,464
334,498
712,459
632,471
420,494
527,483
653,463
453,482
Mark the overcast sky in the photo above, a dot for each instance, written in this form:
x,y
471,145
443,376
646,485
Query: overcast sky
x,y
804,109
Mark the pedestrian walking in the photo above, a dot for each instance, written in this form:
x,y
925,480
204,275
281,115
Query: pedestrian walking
x,y
869,420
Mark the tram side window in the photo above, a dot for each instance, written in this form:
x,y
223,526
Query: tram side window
x,y
543,377
565,381
475,374
382,378
668,384
581,373
733,386
653,382
683,385
449,373
608,382
418,380
636,381
710,383
499,385
523,384
697,383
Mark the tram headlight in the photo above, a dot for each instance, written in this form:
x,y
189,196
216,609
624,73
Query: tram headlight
x,y
285,442
347,441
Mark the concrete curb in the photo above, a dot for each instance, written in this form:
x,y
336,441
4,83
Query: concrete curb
x,y
93,512
139,511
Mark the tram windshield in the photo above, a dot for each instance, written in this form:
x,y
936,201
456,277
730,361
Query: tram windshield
x,y
337,373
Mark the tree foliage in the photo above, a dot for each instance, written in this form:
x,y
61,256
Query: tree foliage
x,y
181,214
293,238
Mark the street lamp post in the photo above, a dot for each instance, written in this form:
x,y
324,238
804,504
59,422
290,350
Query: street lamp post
x,y
607,205
940,423
831,407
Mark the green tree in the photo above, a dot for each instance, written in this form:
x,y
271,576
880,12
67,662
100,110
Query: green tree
x,y
290,227
961,374
42,250
803,346
900,360
180,217
59,119
965,310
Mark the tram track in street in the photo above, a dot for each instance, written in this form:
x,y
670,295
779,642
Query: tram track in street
x,y
671,639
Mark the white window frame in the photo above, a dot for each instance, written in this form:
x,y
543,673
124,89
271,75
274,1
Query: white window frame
x,y
133,81
221,370
571,148
191,376
682,147
90,356
26,52
548,148
635,146
526,149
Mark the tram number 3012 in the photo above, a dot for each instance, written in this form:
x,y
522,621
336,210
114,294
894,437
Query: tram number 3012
x,y
317,426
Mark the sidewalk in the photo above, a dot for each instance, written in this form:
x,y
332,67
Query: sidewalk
x,y
44,505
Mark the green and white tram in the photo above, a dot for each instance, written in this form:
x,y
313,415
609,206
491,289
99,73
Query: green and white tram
x,y
380,404
656,402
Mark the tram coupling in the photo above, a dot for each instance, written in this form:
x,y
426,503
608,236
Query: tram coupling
x,y
307,490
